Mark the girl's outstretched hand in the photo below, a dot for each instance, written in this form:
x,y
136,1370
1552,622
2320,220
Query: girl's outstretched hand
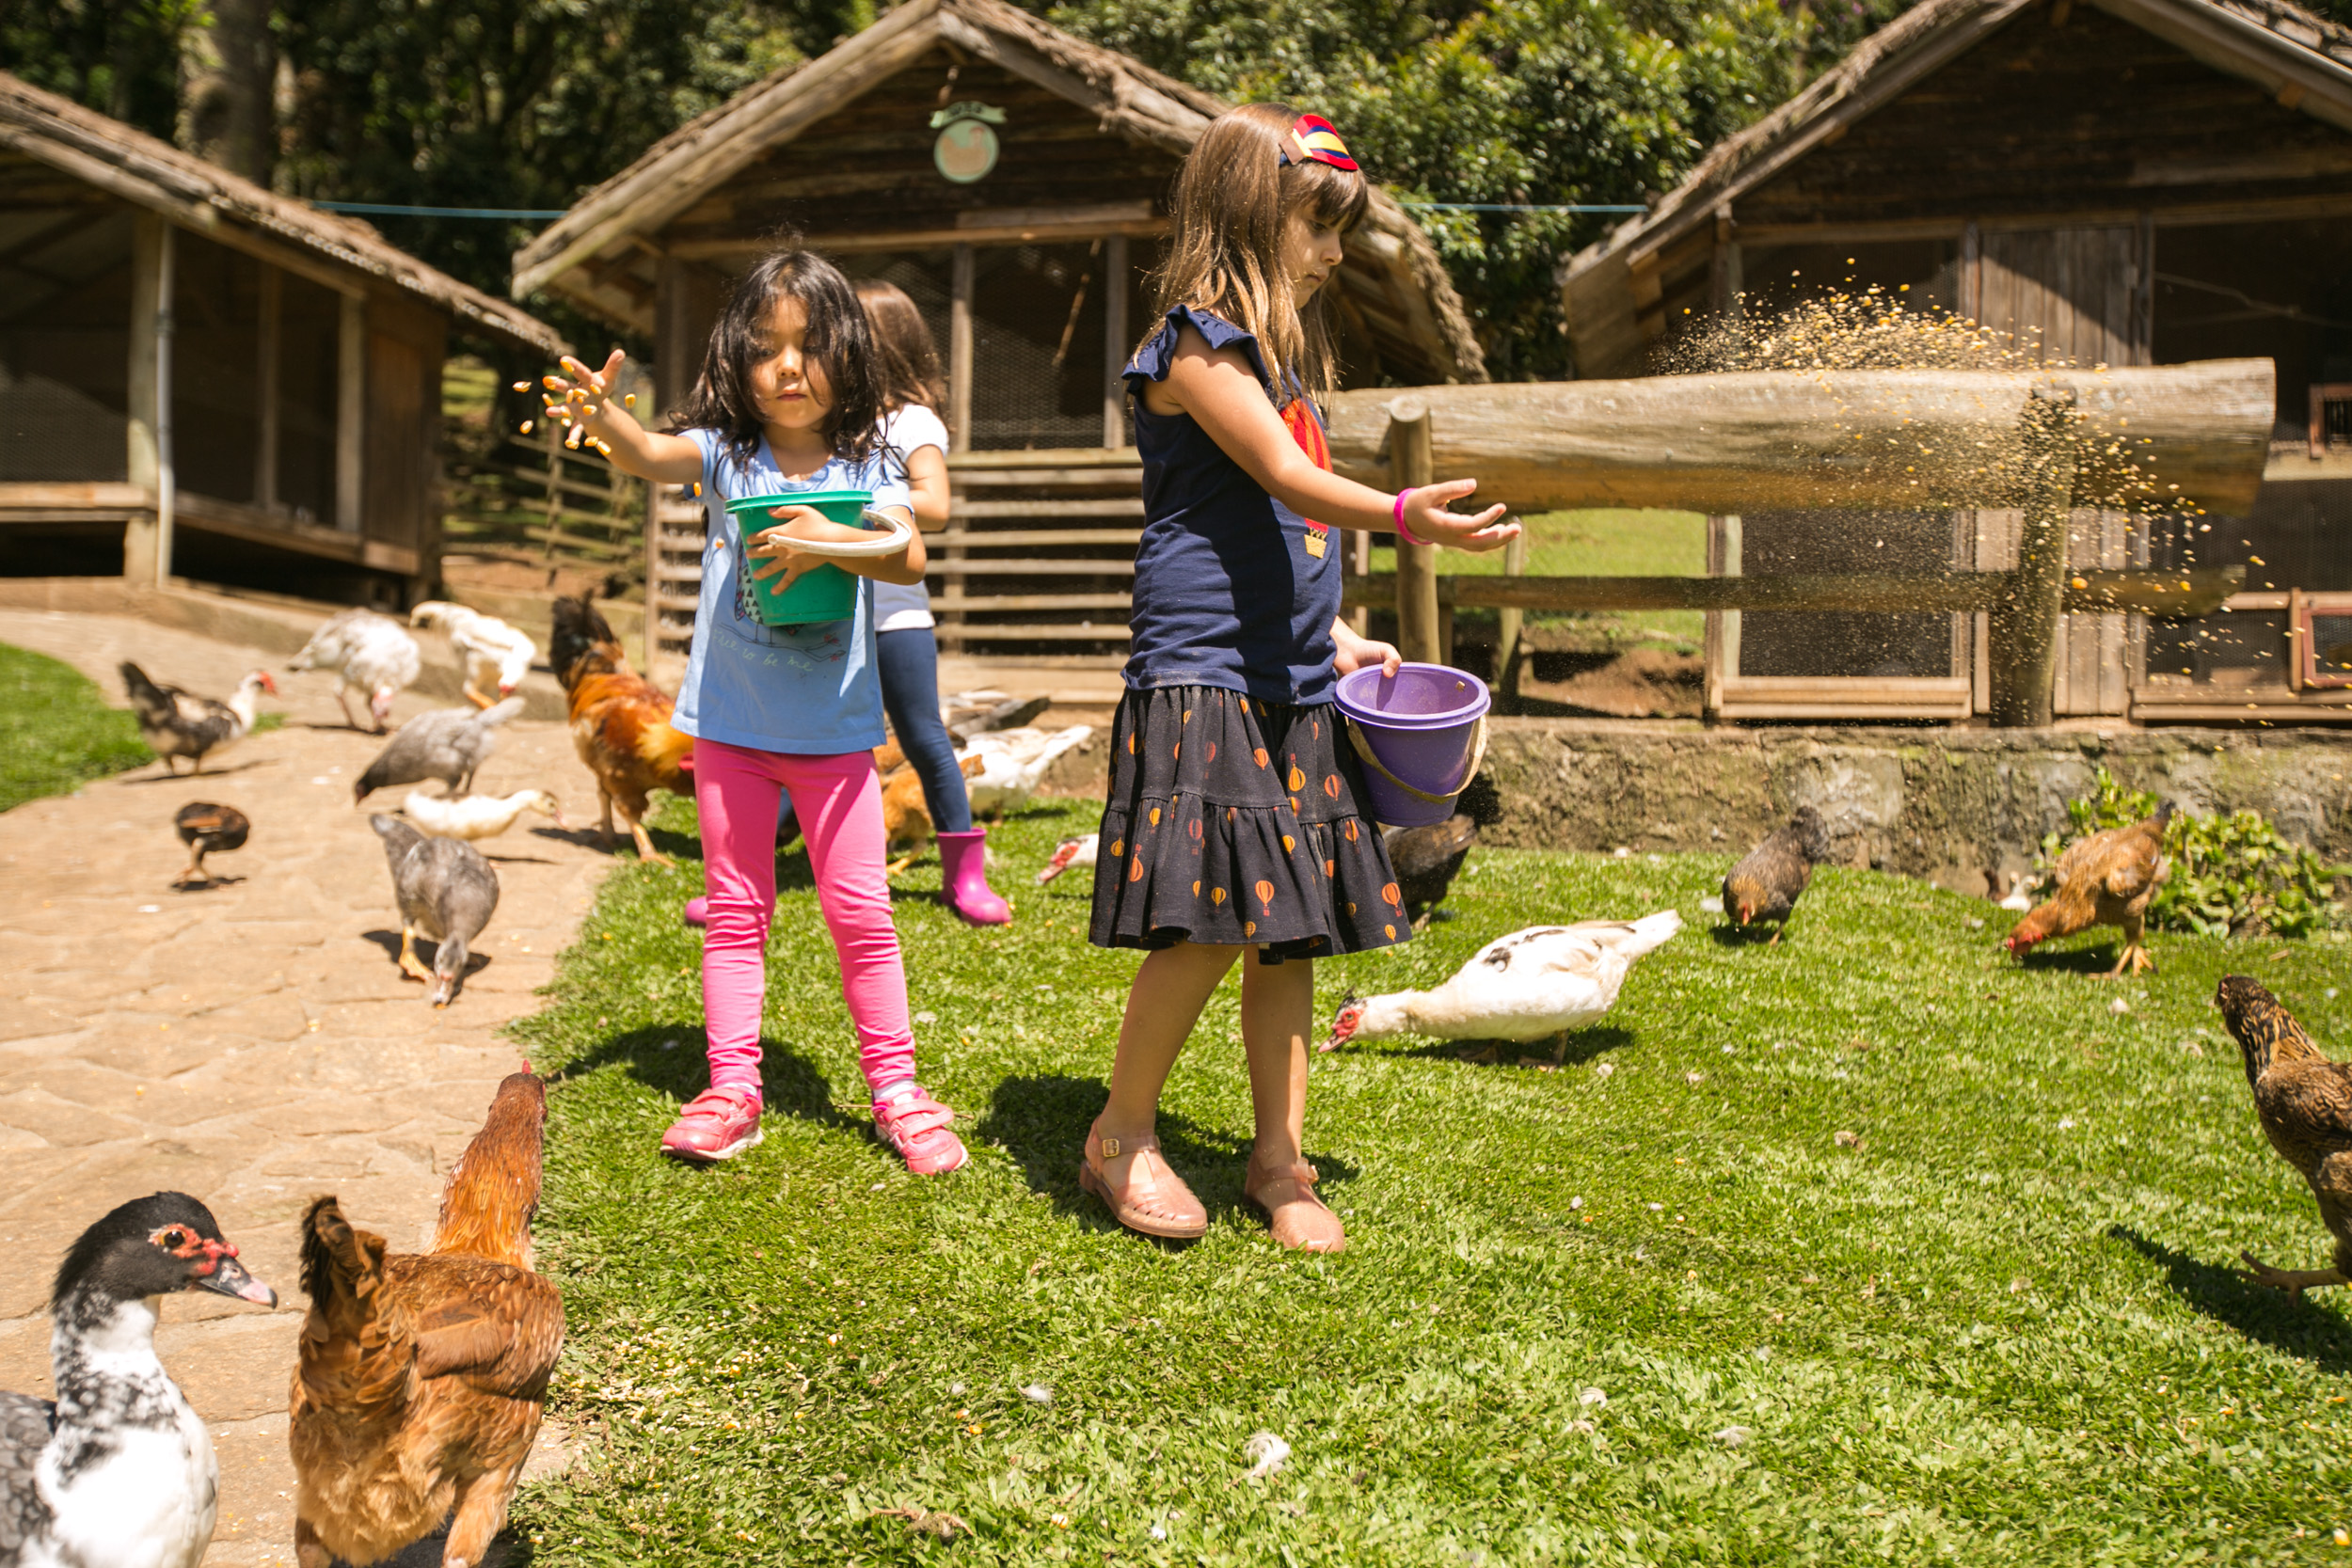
x,y
1426,514
1362,653
583,401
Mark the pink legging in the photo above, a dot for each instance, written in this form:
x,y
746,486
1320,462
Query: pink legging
x,y
839,807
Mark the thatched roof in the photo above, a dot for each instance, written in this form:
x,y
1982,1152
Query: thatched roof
x,y
210,200
2299,59
1415,316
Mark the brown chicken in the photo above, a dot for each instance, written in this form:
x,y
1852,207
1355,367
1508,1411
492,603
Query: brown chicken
x,y
421,1377
2304,1102
906,814
620,720
1765,885
2104,879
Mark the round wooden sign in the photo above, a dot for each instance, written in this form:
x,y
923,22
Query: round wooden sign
x,y
966,150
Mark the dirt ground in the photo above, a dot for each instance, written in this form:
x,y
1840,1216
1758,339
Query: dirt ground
x,y
253,1044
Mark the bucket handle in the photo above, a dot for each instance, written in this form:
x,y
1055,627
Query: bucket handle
x,y
1478,755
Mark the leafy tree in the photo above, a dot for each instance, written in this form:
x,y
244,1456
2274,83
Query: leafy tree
x,y
120,57
1544,102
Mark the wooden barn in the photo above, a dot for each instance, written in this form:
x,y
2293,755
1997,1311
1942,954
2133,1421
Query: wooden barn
x,y
201,378
2116,181
1014,181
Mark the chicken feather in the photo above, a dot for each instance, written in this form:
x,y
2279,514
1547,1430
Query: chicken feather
x,y
620,720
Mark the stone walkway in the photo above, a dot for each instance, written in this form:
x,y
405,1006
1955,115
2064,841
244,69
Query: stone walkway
x,y
253,1044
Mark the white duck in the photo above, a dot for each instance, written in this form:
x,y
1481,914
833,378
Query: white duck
x,y
476,816
1071,854
1014,761
118,1472
2021,890
1528,986
489,645
373,654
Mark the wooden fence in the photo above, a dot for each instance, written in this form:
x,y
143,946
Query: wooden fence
x,y
531,499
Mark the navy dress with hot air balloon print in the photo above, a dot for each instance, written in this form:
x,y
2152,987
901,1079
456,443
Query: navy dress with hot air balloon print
x,y
1234,814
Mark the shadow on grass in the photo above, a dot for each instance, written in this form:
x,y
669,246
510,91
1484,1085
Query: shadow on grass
x,y
669,841
2098,962
671,1059
2302,1329
1042,1122
1582,1046
1729,933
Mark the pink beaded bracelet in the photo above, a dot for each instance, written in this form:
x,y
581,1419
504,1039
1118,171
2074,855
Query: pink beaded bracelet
x,y
1402,531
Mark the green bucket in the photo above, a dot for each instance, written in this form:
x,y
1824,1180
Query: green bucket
x,y
821,593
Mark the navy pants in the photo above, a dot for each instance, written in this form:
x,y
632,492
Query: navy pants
x,y
909,683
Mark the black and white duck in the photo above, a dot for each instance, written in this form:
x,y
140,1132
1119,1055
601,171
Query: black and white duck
x,y
117,1471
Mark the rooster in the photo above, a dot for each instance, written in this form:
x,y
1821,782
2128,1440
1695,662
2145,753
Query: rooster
x,y
2304,1102
2104,879
177,724
620,720
421,1377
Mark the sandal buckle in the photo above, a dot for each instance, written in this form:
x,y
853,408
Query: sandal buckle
x,y
1109,1148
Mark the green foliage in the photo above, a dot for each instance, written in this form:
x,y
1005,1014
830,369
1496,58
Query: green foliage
x,y
2003,1329
1546,102
2231,874
119,57
56,731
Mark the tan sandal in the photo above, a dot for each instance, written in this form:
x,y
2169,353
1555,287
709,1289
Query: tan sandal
x,y
1300,1220
1151,1202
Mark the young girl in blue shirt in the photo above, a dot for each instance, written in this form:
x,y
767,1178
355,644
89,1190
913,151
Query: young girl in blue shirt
x,y
786,399
1233,820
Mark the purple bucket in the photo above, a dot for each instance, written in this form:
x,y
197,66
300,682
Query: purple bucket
x,y
1426,730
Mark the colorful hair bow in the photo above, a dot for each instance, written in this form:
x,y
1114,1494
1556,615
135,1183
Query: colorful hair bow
x,y
1312,140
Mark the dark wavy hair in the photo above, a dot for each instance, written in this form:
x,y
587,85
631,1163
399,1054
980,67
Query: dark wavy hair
x,y
836,342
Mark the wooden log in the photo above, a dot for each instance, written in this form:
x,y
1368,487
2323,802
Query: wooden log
x,y
1409,463
2179,593
1115,283
1752,439
2025,621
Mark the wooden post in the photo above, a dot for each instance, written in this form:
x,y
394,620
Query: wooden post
x,y
267,334
960,351
351,411
1115,284
143,456
1410,463
1509,622
2024,625
166,473
1359,566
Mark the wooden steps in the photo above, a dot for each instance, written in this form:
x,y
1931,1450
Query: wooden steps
x,y
1033,564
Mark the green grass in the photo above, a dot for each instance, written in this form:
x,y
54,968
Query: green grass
x,y
1600,544
2002,1329
57,732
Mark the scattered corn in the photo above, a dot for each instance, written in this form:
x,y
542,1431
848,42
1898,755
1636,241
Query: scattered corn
x,y
527,424
522,385
629,400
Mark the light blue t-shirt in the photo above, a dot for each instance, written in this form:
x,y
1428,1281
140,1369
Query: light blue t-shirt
x,y
807,691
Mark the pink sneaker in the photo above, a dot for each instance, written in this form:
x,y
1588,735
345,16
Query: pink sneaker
x,y
714,1126
916,1126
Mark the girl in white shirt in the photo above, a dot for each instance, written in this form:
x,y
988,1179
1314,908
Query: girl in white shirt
x,y
906,365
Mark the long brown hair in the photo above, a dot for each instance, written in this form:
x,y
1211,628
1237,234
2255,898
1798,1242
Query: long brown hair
x,y
1234,202
906,360
835,341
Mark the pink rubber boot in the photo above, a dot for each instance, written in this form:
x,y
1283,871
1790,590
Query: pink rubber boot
x,y
963,878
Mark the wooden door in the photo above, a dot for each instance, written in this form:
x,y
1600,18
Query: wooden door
x,y
2084,296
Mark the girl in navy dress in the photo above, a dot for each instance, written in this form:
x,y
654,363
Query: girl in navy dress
x,y
1233,821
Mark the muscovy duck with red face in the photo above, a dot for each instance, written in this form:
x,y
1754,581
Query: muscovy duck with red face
x,y
117,1471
